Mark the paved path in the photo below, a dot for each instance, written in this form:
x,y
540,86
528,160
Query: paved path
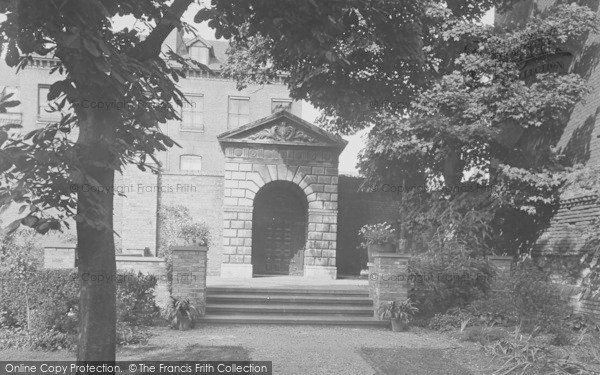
x,y
330,350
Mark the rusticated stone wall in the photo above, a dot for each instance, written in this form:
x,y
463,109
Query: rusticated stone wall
x,y
315,172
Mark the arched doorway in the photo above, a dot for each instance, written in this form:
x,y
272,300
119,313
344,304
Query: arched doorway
x,y
279,227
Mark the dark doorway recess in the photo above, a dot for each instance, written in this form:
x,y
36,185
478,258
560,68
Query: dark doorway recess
x,y
279,227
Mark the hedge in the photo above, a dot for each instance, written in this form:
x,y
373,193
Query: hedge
x,y
53,298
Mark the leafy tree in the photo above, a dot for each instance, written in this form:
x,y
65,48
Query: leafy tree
x,y
44,171
377,53
441,92
481,130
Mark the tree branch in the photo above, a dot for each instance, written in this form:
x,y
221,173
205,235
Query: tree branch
x,y
151,46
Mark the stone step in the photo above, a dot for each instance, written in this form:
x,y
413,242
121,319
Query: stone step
x,y
360,322
358,292
289,309
287,298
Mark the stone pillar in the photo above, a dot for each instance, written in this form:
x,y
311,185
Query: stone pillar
x,y
389,279
237,241
189,274
321,187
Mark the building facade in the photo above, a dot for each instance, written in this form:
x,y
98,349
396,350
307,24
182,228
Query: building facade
x,y
263,180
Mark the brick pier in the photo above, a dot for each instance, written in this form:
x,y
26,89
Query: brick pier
x,y
189,274
388,278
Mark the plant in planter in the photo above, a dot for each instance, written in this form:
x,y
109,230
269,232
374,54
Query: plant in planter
x,y
400,313
378,238
181,313
195,233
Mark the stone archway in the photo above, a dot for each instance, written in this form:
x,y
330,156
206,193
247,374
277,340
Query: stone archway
x,y
282,150
279,229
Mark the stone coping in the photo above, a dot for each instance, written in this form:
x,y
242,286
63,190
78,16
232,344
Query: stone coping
x,y
59,245
189,248
133,258
396,255
391,255
200,174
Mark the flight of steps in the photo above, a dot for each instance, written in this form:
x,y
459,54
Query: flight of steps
x,y
313,306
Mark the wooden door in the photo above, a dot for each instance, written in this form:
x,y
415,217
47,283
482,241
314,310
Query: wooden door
x,y
279,232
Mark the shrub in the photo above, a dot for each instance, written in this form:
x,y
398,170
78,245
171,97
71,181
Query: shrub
x,y
520,353
451,278
177,227
52,296
13,337
451,321
51,292
135,299
483,335
49,340
380,233
527,296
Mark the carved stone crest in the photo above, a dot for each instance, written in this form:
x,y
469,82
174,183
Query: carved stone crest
x,y
283,132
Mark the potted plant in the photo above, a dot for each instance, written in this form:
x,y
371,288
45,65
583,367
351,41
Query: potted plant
x,y
400,313
378,238
180,312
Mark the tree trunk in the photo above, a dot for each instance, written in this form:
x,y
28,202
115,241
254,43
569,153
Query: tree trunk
x,y
95,241
453,168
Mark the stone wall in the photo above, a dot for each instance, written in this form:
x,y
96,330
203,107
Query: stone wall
x,y
357,208
64,257
148,266
59,257
189,271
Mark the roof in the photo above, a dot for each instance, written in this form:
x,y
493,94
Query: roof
x,y
218,50
283,128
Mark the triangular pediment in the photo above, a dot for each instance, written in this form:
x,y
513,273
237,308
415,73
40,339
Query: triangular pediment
x,y
282,128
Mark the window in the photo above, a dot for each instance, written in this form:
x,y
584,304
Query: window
x,y
44,109
199,53
280,104
192,113
190,163
238,113
43,106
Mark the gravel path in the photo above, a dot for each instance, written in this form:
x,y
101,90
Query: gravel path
x,y
305,350
320,350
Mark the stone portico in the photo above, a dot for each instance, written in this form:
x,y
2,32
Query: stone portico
x,y
280,198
